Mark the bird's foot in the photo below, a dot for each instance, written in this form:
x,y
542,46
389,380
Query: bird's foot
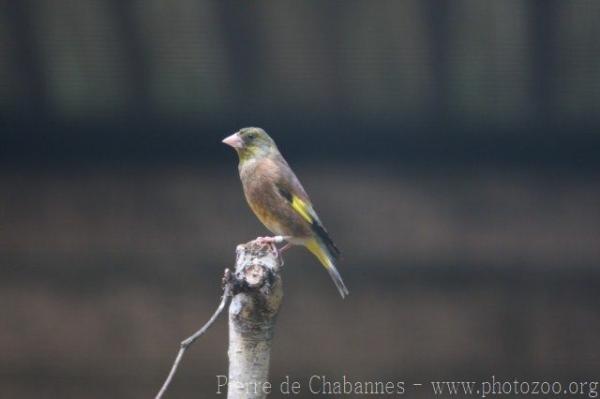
x,y
272,241
285,247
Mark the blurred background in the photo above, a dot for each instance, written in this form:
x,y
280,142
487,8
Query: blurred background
x,y
451,148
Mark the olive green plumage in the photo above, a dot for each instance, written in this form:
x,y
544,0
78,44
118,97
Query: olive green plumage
x,y
276,196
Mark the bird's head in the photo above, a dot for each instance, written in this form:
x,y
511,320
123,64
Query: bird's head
x,y
251,142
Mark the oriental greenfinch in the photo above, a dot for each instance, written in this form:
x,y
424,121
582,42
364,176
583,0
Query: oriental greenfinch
x,y
277,198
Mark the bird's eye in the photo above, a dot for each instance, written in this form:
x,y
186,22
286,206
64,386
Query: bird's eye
x,y
251,136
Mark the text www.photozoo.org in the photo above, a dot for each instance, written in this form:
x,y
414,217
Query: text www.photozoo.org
x,y
323,385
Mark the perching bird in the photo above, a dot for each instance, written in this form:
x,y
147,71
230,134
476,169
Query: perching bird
x,y
276,196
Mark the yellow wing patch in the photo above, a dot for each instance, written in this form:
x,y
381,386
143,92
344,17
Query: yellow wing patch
x,y
302,208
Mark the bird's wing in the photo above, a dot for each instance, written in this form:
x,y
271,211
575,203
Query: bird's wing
x,y
292,191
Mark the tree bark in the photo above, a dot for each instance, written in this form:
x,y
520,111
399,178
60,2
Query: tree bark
x,y
252,314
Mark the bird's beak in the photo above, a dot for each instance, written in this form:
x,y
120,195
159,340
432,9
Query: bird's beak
x,y
234,141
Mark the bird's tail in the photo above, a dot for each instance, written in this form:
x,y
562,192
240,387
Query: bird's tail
x,y
327,259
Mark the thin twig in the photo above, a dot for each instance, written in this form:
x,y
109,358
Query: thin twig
x,y
189,341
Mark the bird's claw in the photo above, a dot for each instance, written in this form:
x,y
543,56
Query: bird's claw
x,y
271,241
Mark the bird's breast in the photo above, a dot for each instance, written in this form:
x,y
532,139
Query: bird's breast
x,y
258,180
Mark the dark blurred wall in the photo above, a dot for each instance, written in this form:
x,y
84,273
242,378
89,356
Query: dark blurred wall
x,y
464,81
451,148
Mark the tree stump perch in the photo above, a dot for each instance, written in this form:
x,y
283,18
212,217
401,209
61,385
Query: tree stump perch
x,y
253,311
257,292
